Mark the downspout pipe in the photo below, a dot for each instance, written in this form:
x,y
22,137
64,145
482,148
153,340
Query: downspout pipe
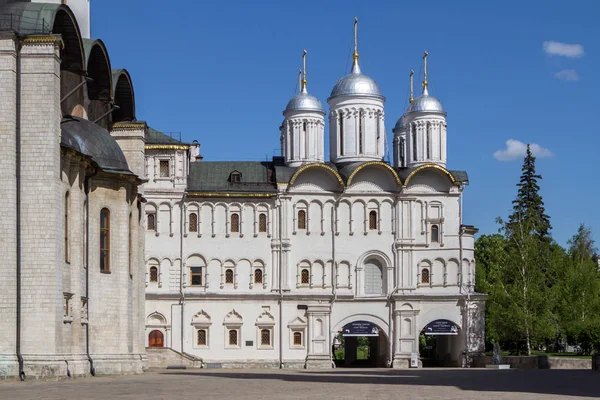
x,y
87,267
334,215
181,291
18,200
280,234
462,286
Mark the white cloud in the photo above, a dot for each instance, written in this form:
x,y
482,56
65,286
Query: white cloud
x,y
563,49
516,149
569,75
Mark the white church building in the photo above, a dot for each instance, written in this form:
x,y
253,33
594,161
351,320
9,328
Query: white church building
x,y
276,263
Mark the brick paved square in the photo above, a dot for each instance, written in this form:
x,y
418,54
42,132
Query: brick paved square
x,y
447,384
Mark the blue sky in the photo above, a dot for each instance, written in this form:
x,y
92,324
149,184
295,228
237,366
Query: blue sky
x,y
222,72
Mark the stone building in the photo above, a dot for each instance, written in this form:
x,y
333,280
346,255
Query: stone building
x,y
71,152
275,263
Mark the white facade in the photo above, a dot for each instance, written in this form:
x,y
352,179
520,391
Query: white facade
x,y
262,264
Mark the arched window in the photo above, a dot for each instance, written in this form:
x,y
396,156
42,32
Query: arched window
x,y
193,222
373,220
233,337
425,276
105,240
229,276
373,277
155,339
402,150
304,127
297,338
201,337
301,219
258,276
151,222
153,274
262,222
265,337
341,119
67,227
435,234
235,222
414,141
304,277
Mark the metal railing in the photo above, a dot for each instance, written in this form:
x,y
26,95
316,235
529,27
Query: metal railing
x,y
23,25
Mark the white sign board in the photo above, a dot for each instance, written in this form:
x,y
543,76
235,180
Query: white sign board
x,y
414,360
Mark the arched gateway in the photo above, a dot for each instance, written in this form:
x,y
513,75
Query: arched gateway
x,y
361,344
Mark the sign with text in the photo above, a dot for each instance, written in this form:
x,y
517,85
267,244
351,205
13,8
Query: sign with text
x,y
360,328
441,327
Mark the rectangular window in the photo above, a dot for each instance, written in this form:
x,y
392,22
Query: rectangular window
x,y
297,339
164,168
104,240
233,337
202,337
262,222
151,221
196,276
235,223
265,337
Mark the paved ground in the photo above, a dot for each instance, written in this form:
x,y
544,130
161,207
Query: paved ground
x,y
347,384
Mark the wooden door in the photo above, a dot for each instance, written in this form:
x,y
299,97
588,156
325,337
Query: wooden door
x,y
155,339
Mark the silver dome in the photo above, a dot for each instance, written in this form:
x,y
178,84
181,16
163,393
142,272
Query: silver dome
x,y
304,102
356,84
426,103
400,124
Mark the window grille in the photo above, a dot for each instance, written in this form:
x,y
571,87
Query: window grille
x,y
193,223
425,276
258,276
373,220
151,222
262,223
235,222
233,337
164,168
265,337
297,339
201,337
229,276
105,240
305,277
153,274
301,219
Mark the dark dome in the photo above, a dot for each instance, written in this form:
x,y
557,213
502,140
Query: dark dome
x,y
91,140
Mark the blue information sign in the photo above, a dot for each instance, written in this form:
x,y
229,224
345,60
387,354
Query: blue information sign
x,y
360,328
441,327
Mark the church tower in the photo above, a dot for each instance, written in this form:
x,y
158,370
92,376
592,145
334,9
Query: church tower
x,y
420,134
356,118
303,128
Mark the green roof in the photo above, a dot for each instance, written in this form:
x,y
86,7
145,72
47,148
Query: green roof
x,y
155,137
214,176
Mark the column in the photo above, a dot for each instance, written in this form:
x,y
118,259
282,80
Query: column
x,y
319,337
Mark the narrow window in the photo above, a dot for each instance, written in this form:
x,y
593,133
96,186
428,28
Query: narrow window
x,y
151,223
304,127
262,222
435,234
304,277
229,276
265,337
235,177
258,276
201,337
153,274
373,220
425,275
297,339
193,222
428,139
235,222
67,227
233,337
164,168
402,144
195,276
360,131
414,142
341,133
105,240
301,219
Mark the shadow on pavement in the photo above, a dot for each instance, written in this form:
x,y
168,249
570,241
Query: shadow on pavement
x,y
556,382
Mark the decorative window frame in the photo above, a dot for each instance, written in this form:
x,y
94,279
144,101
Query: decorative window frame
x,y
233,321
190,209
202,276
425,264
258,265
67,308
229,264
238,209
258,210
201,321
297,325
170,162
301,206
265,321
302,265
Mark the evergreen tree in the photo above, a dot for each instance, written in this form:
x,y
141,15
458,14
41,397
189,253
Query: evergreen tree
x,y
529,206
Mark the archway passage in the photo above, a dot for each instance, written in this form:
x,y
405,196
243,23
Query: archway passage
x,y
440,344
156,339
360,344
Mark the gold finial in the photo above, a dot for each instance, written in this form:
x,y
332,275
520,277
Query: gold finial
x,y
425,54
412,72
355,67
303,90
